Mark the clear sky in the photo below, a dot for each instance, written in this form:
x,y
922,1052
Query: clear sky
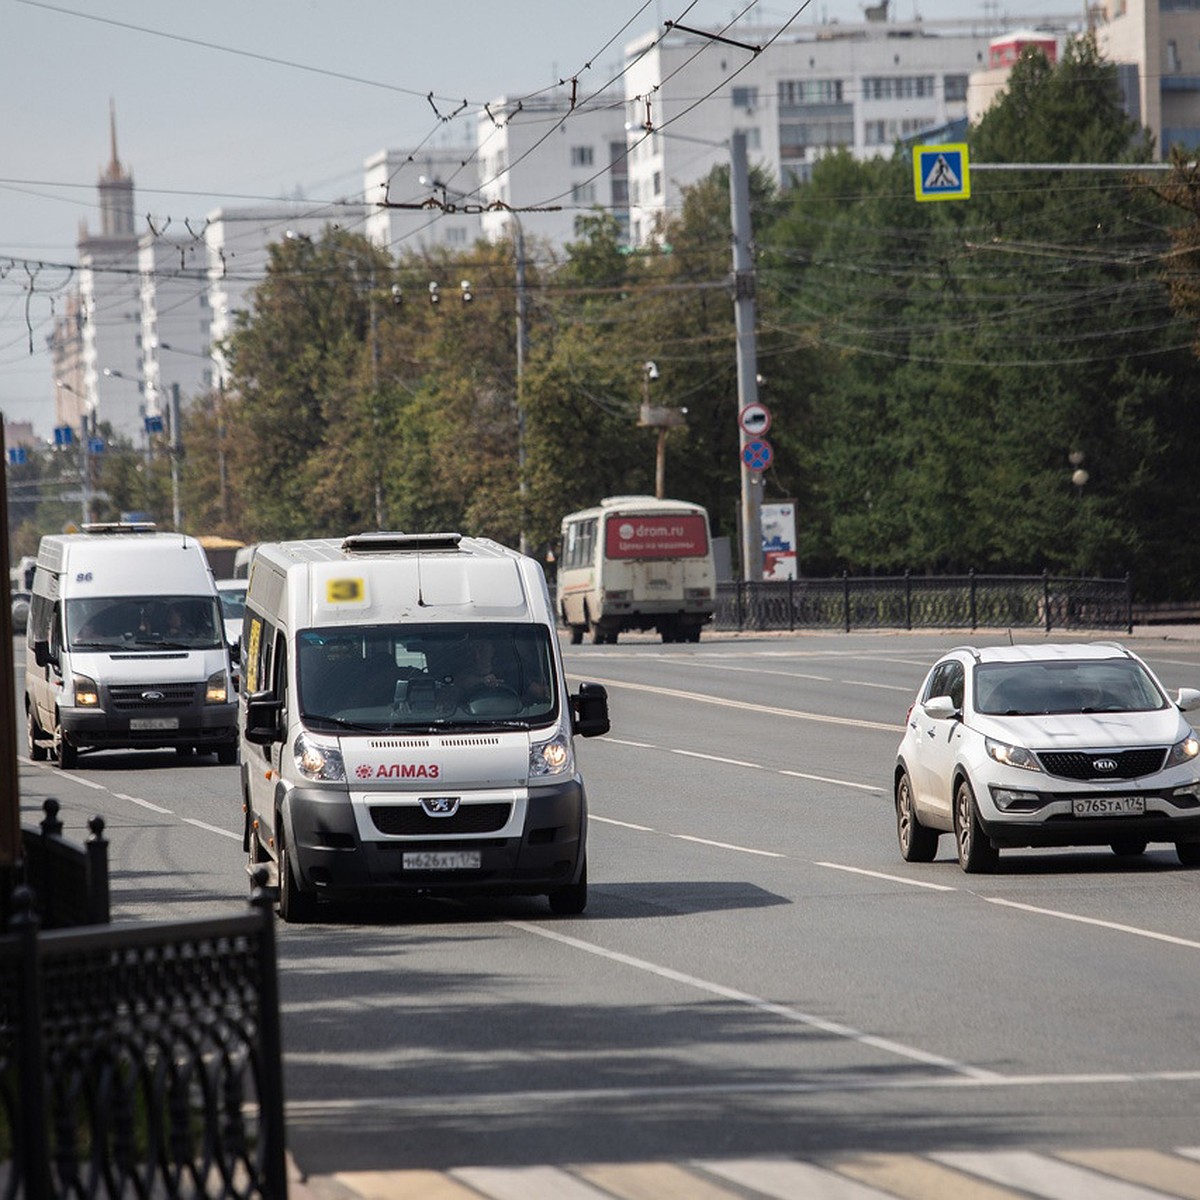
x,y
230,102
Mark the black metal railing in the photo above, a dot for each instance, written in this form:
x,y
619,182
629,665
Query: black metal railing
x,y
69,881
926,602
141,1060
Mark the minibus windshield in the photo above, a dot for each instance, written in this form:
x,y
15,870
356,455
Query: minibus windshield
x,y
166,622
460,674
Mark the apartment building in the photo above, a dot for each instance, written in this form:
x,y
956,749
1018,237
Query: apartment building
x,y
1156,46
549,160
438,194
176,320
856,86
238,242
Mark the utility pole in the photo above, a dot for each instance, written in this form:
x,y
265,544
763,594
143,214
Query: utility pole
x,y
176,453
747,352
522,350
11,852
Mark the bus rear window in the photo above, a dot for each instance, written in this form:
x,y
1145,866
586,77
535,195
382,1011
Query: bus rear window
x,y
672,535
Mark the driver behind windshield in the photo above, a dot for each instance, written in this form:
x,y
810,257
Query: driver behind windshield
x,y
452,671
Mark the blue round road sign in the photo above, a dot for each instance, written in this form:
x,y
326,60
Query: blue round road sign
x,y
757,454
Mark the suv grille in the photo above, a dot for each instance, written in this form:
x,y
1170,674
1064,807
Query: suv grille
x,y
126,696
412,820
1081,764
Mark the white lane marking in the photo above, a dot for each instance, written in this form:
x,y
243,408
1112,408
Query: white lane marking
x,y
933,887
507,1102
862,787
622,824
887,687
686,837
834,1028
732,762
213,828
785,1180
526,1183
1043,1176
710,665
1113,925
767,709
144,804
90,783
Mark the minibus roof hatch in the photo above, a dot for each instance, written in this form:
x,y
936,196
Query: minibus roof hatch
x,y
391,542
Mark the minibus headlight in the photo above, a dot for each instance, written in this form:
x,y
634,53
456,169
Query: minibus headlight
x,y
551,758
314,760
216,691
87,694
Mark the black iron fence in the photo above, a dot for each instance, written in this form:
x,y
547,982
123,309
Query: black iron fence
x,y
926,602
69,881
141,1060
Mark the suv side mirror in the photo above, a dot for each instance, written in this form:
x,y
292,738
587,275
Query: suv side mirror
x,y
941,708
589,710
263,713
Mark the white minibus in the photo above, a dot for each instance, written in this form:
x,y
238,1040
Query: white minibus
x,y
636,562
406,723
125,647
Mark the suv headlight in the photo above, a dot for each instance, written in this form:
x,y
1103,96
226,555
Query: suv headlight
x,y
551,758
314,760
1183,752
1011,756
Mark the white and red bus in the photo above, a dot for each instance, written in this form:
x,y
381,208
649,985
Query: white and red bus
x,y
636,562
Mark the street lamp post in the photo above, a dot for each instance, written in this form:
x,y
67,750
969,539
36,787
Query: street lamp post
x,y
87,431
657,416
743,288
747,352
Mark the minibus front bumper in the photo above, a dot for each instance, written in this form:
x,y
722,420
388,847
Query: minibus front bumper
x,y
332,857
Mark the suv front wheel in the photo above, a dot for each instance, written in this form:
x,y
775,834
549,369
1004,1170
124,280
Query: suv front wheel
x,y
976,854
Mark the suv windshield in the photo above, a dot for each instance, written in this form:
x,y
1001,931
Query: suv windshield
x,y
1094,685
409,675
175,622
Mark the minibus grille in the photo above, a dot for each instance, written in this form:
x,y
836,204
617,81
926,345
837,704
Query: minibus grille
x,y
128,696
413,821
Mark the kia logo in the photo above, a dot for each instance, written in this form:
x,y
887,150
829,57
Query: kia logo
x,y
440,806
1104,764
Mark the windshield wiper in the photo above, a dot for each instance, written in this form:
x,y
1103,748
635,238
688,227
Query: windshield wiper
x,y
309,717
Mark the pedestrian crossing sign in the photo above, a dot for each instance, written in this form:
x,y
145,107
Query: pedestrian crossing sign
x,y
942,172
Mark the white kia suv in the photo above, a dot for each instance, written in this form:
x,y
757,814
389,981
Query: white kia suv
x,y
1047,745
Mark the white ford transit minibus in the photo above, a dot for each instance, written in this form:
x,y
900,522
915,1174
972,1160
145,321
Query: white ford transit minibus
x,y
125,647
406,724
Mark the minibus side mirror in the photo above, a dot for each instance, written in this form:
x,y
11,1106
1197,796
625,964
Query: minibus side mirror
x,y
263,719
589,710
41,654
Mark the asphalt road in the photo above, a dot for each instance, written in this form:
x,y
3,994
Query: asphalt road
x,y
758,974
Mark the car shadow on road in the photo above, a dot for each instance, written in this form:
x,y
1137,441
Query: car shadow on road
x,y
606,902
